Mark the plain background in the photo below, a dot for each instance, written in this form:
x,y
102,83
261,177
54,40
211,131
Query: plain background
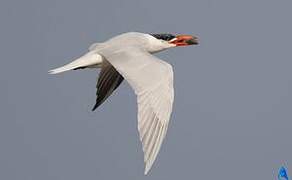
x,y
232,115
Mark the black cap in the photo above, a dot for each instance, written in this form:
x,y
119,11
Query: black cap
x,y
163,36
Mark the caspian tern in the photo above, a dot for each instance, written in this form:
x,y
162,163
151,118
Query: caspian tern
x,y
129,56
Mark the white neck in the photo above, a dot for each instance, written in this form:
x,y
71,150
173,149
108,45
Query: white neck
x,y
155,45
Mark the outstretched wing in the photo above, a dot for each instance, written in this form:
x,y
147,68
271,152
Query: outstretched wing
x,y
109,79
152,81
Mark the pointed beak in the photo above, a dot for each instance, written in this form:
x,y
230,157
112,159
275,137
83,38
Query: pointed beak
x,y
184,40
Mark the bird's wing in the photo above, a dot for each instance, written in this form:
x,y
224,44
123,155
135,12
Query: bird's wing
x,y
152,81
109,79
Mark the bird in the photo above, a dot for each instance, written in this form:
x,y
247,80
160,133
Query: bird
x,y
130,56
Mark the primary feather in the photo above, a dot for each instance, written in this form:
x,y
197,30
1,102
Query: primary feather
x,y
152,81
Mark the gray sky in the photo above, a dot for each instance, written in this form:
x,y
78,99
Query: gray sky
x,y
232,115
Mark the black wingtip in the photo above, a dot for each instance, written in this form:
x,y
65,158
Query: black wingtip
x,y
97,104
94,107
108,81
82,67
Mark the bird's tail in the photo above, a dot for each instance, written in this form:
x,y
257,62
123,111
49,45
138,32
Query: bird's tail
x,y
89,59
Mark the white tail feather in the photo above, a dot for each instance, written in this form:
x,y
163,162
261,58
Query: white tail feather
x,y
89,59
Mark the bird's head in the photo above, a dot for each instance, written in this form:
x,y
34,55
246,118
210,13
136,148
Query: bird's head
x,y
169,40
178,40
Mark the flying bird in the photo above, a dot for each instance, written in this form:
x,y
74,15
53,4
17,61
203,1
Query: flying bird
x,y
129,56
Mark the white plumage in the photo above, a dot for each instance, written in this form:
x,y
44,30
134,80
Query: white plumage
x,y
90,59
152,81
